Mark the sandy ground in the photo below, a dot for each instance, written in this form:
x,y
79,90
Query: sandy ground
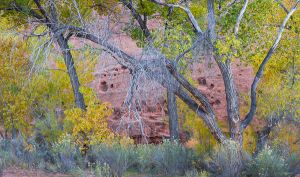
x,y
18,172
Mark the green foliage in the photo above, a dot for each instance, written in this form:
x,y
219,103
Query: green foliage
x,y
228,47
105,7
66,11
173,40
146,7
137,34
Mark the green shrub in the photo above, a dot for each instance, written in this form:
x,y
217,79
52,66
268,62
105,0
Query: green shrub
x,y
106,159
119,157
145,161
294,163
5,158
78,172
102,171
67,155
172,158
268,163
12,152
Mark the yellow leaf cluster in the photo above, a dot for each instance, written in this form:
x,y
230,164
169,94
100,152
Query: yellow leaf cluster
x,y
14,109
88,127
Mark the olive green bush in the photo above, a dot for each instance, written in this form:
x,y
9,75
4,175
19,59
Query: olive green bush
x,y
119,157
269,163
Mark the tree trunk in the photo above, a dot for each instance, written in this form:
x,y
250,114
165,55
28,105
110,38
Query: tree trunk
x,y
233,110
173,116
63,44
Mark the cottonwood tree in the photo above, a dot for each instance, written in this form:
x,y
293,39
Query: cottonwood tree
x,y
219,29
222,58
18,11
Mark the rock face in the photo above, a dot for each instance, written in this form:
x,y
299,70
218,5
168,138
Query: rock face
x,y
210,82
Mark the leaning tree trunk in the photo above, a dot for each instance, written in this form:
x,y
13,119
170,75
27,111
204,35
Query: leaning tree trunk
x,y
69,62
173,116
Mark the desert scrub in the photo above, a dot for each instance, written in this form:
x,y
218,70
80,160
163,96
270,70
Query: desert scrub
x,y
119,155
268,163
145,161
66,154
195,173
102,170
171,158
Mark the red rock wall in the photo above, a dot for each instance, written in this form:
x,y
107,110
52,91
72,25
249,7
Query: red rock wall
x,y
113,81
210,82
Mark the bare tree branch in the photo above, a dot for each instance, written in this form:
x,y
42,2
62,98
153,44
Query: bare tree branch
x,y
282,6
194,45
137,16
187,11
42,10
238,20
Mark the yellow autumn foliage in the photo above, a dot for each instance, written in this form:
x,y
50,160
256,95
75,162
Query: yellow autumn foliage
x,y
88,127
15,105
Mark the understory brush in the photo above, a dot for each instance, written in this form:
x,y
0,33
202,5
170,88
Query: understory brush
x,y
118,157
168,159
273,162
104,159
229,159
